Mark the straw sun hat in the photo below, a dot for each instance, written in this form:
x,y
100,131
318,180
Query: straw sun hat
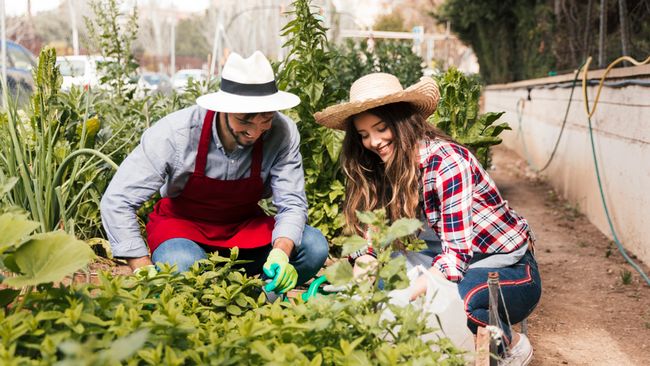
x,y
377,89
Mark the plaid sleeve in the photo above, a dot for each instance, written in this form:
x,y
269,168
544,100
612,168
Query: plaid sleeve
x,y
448,189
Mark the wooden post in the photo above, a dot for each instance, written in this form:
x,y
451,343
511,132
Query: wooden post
x,y
482,347
493,292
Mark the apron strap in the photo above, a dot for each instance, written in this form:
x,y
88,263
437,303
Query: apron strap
x,y
256,164
204,144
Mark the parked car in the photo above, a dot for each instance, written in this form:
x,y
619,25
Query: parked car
x,y
181,78
82,71
150,83
20,63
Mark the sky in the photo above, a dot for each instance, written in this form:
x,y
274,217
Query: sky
x,y
17,7
363,11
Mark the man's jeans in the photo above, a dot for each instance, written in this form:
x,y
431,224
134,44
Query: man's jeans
x,y
307,258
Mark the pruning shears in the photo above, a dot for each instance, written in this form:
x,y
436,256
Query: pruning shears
x,y
314,289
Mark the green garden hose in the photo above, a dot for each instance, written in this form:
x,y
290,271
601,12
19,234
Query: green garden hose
x,y
590,113
520,113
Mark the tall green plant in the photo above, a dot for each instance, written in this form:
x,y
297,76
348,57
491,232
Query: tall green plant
x,y
308,71
458,115
112,34
52,178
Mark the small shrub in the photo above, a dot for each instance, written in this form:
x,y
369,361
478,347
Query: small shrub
x,y
626,277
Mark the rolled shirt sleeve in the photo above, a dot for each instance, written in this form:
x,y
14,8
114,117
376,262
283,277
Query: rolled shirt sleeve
x,y
448,185
288,186
140,175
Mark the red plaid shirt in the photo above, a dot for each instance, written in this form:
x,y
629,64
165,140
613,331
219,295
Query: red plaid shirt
x,y
464,207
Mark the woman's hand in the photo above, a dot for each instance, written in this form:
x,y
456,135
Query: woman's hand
x,y
362,265
420,285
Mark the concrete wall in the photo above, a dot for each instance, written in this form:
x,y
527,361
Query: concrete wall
x,y
621,126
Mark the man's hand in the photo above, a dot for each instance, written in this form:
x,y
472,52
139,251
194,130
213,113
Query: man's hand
x,y
136,263
277,267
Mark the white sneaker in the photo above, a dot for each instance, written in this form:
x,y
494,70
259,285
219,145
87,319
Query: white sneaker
x,y
520,355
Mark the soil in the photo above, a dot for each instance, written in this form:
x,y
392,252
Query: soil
x,y
589,313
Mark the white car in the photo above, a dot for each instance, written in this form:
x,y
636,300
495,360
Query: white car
x,y
150,83
180,79
81,71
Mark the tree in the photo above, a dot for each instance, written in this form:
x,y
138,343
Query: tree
x,y
520,39
393,21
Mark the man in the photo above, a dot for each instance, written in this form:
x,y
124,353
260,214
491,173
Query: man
x,y
212,163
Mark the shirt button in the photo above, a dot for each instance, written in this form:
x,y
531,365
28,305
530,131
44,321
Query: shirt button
x,y
232,161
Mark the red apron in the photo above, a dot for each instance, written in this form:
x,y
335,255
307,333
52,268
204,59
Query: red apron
x,y
213,212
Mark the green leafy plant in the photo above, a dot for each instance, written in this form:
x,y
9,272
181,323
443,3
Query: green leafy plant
x,y
626,277
308,72
386,240
458,115
28,259
214,314
48,151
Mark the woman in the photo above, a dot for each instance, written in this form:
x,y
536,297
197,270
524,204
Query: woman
x,y
394,159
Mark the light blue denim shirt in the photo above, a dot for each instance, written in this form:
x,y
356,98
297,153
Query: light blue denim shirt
x,y
164,161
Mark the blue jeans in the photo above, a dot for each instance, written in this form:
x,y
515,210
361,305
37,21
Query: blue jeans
x,y
308,257
521,287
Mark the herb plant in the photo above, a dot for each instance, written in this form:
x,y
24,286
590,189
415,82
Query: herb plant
x,y
308,72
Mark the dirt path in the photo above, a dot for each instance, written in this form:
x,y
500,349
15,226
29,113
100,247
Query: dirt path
x,y
587,316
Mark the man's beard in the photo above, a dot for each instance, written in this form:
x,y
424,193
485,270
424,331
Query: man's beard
x,y
237,136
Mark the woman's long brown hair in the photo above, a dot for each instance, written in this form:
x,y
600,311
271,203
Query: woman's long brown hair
x,y
394,184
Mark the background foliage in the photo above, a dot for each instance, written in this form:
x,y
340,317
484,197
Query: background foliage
x,y
522,39
356,59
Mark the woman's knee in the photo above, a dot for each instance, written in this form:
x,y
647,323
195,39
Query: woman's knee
x,y
180,252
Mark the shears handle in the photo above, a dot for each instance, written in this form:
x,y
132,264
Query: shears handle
x,y
313,288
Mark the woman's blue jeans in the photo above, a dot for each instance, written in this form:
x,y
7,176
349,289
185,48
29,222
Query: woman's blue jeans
x,y
521,287
308,257
520,284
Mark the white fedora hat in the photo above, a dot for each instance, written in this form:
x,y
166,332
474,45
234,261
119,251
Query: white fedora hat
x,y
377,89
248,86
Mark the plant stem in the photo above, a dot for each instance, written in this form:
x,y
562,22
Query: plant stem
x,y
20,304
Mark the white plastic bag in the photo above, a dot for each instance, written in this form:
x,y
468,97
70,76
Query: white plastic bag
x,y
441,301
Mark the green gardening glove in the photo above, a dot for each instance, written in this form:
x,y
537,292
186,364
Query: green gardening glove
x,y
283,274
147,272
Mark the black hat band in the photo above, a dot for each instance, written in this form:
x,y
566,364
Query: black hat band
x,y
249,90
